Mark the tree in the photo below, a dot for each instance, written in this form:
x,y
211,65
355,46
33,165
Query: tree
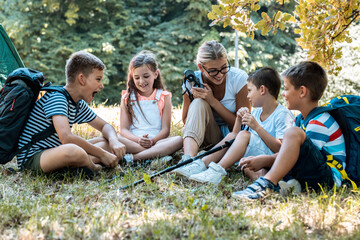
x,y
46,32
321,24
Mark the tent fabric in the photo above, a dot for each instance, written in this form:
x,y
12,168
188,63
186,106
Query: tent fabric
x,y
9,57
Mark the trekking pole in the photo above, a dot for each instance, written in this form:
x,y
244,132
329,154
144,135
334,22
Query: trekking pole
x,y
169,169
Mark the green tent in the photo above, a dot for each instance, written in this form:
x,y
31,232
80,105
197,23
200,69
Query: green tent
x,y
9,57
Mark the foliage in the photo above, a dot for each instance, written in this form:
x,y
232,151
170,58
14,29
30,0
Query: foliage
x,y
271,50
46,32
321,23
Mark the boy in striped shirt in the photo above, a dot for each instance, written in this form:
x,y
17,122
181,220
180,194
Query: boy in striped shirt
x,y
301,154
84,74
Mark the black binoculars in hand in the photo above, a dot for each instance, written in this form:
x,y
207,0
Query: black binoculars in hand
x,y
189,76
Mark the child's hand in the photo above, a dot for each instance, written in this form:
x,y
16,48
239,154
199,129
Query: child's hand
x,y
145,141
252,163
241,112
250,121
118,149
109,160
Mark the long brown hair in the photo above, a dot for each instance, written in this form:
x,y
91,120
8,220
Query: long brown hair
x,y
143,58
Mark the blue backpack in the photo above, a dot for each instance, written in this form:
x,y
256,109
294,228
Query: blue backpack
x,y
346,111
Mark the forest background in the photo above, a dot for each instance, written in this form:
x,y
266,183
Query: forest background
x,y
46,32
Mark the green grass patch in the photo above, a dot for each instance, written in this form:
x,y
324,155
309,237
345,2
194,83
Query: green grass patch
x,y
167,207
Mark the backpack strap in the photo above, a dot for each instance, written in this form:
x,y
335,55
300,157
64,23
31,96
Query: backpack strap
x,y
338,166
330,161
312,114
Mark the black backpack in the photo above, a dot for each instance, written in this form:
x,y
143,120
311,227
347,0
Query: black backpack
x,y
346,111
18,97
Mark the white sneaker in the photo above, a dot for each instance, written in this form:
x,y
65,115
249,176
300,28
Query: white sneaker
x,y
129,158
192,168
290,187
184,158
213,174
165,159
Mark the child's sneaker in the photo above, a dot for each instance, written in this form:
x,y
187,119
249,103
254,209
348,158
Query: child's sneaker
x,y
192,168
256,190
184,158
128,159
213,174
165,159
290,187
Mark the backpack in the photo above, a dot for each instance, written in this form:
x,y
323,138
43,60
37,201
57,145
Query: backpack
x,y
346,112
18,97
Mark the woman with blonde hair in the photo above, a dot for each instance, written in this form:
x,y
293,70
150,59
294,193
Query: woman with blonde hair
x,y
211,115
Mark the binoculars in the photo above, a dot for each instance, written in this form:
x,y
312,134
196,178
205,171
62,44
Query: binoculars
x,y
189,76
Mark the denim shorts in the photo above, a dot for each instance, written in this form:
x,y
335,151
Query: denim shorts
x,y
311,168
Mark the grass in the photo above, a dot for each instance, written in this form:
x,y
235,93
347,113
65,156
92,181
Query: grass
x,y
169,207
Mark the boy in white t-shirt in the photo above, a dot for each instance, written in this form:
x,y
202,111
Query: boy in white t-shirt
x,y
266,126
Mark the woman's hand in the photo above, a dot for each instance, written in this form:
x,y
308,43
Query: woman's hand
x,y
205,93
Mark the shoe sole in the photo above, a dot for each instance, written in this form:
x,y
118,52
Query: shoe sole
x,y
289,188
202,181
179,173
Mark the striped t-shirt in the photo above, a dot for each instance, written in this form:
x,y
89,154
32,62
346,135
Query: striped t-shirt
x,y
52,103
326,135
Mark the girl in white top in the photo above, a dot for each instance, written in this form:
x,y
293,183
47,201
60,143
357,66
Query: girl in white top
x,y
211,115
146,111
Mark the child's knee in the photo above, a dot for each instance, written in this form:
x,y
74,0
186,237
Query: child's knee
x,y
178,139
231,135
74,154
295,133
243,135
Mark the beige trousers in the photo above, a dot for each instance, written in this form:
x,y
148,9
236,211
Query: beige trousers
x,y
201,125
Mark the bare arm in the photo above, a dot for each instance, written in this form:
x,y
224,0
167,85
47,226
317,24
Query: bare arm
x,y
125,124
62,128
273,143
109,133
185,108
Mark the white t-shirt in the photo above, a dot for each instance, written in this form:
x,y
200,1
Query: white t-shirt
x,y
236,79
277,123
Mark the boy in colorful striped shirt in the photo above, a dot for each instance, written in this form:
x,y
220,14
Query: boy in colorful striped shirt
x,y
326,135
302,155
